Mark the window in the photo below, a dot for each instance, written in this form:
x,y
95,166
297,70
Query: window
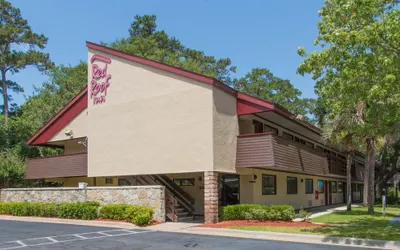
x,y
296,139
309,186
258,127
109,180
310,145
321,187
353,187
302,141
270,129
123,182
334,186
319,148
184,182
340,187
291,185
268,184
287,136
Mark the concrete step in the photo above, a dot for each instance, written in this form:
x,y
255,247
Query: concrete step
x,y
186,218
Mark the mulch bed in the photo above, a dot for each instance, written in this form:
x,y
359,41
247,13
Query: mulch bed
x,y
235,223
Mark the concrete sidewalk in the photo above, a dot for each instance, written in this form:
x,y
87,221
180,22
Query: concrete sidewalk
x,y
300,238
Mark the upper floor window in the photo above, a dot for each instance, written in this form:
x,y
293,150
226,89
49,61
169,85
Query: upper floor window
x,y
287,136
319,148
270,129
291,185
258,127
310,145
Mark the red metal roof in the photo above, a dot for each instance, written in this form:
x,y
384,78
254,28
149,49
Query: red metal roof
x,y
246,104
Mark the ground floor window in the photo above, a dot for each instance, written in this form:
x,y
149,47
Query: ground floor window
x,y
340,187
309,186
268,184
184,182
334,186
109,181
291,185
321,187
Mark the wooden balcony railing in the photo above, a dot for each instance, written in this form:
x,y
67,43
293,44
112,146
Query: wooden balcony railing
x,y
71,165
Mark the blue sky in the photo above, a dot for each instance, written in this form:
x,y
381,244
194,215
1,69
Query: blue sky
x,y
256,33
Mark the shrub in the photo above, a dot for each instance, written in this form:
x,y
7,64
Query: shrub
x,y
4,208
85,211
113,211
19,208
258,212
303,214
138,214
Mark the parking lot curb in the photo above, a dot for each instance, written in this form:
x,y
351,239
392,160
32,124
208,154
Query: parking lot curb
x,y
93,223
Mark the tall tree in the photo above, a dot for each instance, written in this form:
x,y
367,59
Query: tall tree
x,y
260,82
146,41
18,49
63,84
357,68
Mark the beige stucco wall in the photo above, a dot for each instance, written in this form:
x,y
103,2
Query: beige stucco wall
x,y
252,192
152,122
225,131
78,125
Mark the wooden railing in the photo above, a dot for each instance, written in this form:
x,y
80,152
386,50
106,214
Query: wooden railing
x,y
175,196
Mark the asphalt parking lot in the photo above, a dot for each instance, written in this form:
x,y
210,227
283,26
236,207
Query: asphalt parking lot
x,y
33,235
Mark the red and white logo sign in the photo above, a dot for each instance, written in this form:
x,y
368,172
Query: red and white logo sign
x,y
100,79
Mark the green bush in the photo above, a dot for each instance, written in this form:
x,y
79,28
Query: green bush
x,y
85,211
258,212
19,208
142,219
4,208
113,211
138,214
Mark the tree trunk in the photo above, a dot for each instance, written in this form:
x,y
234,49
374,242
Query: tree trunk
x,y
5,98
371,175
396,188
348,173
366,178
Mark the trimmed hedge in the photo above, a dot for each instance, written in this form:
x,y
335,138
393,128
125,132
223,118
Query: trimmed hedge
x,y
29,209
113,211
138,215
258,212
85,211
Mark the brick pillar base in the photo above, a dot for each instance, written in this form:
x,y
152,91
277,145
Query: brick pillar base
x,y
210,197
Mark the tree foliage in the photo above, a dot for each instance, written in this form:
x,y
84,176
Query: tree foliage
x,y
260,82
146,41
18,49
358,68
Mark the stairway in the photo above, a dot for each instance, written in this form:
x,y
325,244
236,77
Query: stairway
x,y
179,204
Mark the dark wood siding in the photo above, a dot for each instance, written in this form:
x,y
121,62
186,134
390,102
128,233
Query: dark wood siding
x,y
254,151
274,152
72,165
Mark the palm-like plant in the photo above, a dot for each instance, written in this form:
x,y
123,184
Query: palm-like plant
x,y
339,132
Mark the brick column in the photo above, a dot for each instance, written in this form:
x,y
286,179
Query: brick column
x,y
211,197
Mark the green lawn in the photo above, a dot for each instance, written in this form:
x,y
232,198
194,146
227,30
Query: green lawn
x,y
362,225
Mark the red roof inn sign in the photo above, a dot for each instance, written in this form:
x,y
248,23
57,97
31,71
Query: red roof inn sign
x,y
100,79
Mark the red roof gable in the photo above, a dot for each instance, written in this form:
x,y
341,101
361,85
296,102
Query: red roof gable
x,y
246,104
62,118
